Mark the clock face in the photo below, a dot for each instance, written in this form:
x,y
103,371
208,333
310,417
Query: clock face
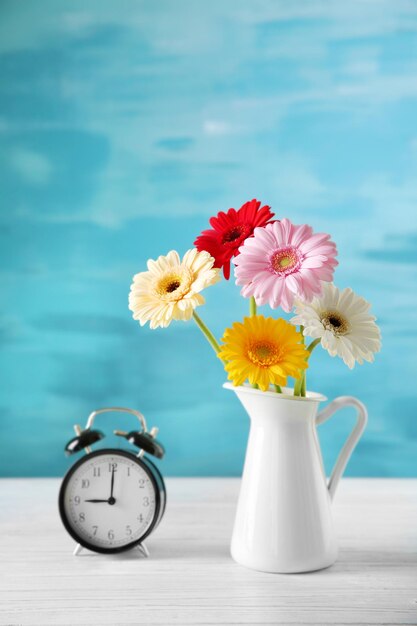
x,y
109,500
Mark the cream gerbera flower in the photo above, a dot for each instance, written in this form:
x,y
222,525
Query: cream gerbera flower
x,y
342,322
169,290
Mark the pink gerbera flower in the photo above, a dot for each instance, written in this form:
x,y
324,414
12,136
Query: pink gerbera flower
x,y
282,261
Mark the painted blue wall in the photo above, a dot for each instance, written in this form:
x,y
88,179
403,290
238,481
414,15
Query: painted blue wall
x,y
124,126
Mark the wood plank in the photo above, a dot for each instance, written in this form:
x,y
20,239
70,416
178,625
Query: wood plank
x,y
190,577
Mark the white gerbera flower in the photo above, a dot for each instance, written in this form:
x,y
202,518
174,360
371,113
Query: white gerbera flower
x,y
341,320
169,290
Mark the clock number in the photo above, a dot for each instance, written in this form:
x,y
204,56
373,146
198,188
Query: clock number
x,y
128,470
141,483
112,466
95,529
110,534
128,531
140,518
145,501
77,499
96,471
85,483
81,517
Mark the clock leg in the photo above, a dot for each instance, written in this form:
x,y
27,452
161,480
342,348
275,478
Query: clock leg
x,y
77,549
143,550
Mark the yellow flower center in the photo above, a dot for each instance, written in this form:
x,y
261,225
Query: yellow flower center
x,y
335,322
284,261
174,285
264,353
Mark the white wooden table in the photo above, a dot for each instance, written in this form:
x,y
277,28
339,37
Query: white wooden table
x,y
190,577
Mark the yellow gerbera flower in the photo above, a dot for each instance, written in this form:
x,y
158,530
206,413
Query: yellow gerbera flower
x,y
263,350
169,290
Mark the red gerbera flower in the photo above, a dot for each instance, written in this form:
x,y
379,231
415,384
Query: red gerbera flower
x,y
230,231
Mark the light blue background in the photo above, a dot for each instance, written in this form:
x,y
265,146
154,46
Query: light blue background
x,y
124,126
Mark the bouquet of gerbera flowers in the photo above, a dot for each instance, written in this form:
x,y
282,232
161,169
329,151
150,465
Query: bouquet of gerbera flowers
x,y
275,262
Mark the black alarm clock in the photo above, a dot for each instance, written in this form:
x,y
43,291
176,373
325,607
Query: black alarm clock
x,y
111,500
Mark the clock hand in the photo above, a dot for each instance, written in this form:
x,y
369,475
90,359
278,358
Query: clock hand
x,y
112,483
111,500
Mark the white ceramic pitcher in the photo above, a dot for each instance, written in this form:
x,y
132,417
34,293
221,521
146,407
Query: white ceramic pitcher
x,y
283,521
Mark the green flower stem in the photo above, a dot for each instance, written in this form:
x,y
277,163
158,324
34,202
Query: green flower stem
x,y
313,344
252,306
303,385
298,384
278,389
207,333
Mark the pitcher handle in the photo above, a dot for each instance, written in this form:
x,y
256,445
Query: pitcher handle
x,y
352,440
